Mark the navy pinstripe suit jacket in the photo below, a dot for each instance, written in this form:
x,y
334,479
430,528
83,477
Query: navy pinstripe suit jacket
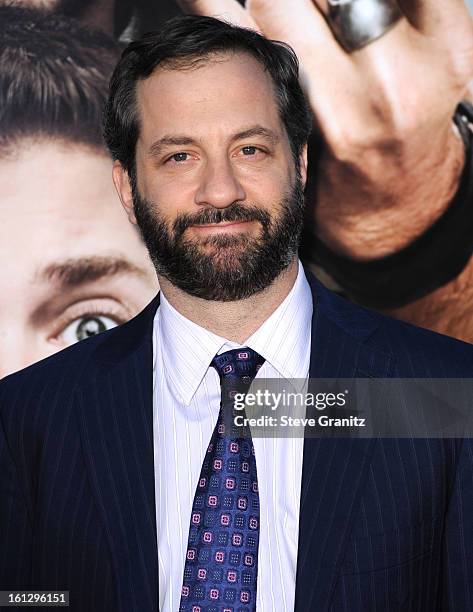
x,y
384,524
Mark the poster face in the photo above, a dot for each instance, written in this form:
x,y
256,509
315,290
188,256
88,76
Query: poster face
x,y
386,159
73,265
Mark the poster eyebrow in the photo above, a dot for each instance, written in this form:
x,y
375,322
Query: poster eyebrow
x,y
74,272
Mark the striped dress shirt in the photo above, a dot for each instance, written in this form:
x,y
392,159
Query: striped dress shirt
x,y
186,403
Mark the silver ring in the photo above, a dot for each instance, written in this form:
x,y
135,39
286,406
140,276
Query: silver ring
x,y
356,23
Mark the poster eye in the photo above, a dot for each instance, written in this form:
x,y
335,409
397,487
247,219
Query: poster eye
x,y
85,327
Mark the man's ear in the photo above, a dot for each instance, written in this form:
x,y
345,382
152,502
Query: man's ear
x,y
123,186
303,165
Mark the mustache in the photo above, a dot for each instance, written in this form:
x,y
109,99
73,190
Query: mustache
x,y
234,212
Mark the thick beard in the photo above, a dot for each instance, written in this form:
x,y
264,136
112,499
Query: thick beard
x,y
227,267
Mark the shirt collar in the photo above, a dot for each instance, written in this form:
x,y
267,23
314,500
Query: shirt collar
x,y
283,340
187,349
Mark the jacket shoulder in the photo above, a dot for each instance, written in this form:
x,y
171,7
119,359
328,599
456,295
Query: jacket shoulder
x,y
425,351
417,352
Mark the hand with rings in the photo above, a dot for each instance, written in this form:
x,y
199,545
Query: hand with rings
x,y
384,111
356,23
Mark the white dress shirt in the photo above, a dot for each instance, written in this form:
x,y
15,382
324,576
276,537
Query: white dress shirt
x,y
186,394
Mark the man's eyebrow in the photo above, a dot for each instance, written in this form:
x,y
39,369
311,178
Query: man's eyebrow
x,y
169,141
257,130
181,140
73,272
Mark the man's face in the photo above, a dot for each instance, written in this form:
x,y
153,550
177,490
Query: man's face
x,y
218,199
72,265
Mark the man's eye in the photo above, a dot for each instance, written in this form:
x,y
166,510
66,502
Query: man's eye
x,y
86,327
179,157
249,150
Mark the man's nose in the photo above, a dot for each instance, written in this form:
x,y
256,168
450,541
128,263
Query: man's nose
x,y
219,186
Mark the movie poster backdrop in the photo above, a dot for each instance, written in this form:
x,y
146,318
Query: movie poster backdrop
x,y
72,264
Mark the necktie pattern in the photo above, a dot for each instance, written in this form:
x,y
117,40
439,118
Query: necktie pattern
x,y
222,555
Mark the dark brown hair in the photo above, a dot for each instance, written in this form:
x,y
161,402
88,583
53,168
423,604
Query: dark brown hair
x,y
183,42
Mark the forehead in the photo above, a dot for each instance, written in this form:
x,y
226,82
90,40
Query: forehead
x,y
224,93
58,202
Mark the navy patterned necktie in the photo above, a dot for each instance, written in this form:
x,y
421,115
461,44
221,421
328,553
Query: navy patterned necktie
x,y
222,554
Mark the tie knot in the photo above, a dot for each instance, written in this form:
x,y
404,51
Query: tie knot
x,y
239,364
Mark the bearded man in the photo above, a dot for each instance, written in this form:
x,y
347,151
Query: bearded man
x,y
121,483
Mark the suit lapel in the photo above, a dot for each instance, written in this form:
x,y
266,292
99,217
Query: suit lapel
x,y
115,412
334,470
